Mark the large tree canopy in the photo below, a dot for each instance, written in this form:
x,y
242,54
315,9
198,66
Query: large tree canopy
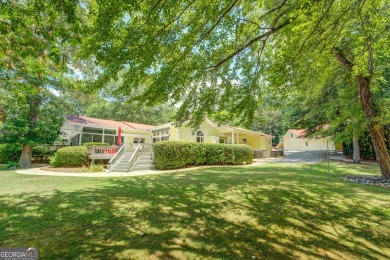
x,y
37,39
224,55
212,55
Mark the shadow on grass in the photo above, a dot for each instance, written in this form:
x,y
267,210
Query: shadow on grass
x,y
273,211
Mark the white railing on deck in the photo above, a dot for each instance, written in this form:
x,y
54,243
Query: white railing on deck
x,y
116,157
147,149
142,149
102,150
134,158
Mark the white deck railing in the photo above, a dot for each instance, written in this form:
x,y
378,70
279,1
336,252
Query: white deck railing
x,y
103,150
116,157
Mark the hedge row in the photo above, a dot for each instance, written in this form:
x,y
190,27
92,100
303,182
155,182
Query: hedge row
x,y
95,144
174,154
70,156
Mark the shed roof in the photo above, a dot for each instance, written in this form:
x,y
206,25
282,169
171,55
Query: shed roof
x,y
299,132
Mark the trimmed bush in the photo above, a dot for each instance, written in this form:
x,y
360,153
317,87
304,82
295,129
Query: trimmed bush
x,y
89,144
70,156
10,152
174,154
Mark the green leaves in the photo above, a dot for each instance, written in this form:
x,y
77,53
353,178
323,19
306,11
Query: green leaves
x,y
38,38
70,156
174,154
209,56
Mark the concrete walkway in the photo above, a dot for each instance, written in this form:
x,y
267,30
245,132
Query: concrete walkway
x,y
38,171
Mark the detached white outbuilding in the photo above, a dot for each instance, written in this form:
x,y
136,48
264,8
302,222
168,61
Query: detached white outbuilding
x,y
296,140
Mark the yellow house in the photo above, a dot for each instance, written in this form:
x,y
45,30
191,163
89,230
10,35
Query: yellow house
x,y
209,132
296,140
81,129
131,143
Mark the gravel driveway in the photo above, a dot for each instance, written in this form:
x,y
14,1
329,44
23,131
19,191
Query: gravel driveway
x,y
307,156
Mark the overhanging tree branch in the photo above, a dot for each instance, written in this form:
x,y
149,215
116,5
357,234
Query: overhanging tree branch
x,y
250,43
342,59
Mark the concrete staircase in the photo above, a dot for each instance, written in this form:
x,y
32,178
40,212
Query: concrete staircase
x,y
145,162
123,164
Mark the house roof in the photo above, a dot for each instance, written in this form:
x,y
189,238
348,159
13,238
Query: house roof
x,y
89,121
246,130
299,132
164,126
216,126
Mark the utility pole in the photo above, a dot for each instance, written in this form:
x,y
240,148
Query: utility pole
x,y
327,155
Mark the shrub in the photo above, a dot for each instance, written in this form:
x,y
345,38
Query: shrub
x,y
12,165
51,152
174,154
10,152
40,151
94,168
70,156
95,144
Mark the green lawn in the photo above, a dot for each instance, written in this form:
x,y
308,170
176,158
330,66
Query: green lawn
x,y
273,211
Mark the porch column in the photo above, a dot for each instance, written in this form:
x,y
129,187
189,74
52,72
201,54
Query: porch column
x,y
237,138
232,137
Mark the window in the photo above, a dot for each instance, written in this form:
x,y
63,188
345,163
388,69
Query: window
x,y
307,143
109,139
199,137
292,135
139,140
92,134
244,141
97,138
161,135
109,132
92,130
86,138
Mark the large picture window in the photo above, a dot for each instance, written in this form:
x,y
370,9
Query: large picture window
x,y
100,135
86,138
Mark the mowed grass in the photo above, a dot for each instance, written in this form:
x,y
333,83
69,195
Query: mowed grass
x,y
273,211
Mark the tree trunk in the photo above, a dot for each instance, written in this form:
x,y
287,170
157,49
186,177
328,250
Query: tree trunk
x,y
356,148
370,109
32,117
376,130
388,136
25,158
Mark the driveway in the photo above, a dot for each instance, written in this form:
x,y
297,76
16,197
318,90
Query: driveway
x,y
308,156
